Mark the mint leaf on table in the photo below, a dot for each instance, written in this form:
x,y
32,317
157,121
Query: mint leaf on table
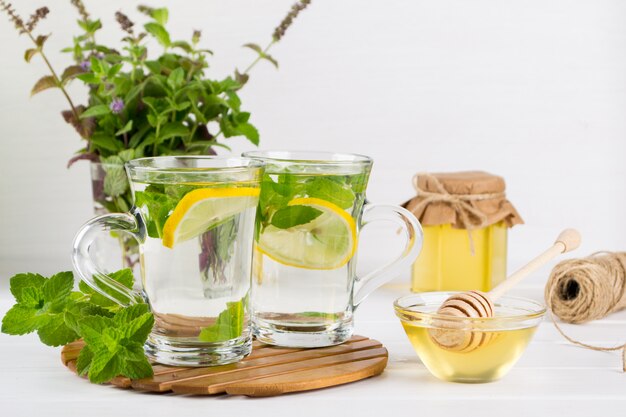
x,y
114,336
21,281
115,345
41,306
291,216
228,325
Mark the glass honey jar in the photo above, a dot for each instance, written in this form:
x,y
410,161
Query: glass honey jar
x,y
465,217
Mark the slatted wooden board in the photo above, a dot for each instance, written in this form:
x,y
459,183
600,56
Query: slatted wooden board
x,y
267,371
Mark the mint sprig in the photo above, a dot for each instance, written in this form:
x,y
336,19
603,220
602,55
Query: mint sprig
x,y
41,307
113,336
114,346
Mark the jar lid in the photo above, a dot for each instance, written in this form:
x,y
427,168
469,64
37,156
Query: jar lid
x,y
467,200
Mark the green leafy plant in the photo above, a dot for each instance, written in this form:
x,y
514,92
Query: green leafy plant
x,y
140,104
113,335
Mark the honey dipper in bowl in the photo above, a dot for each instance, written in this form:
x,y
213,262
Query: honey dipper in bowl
x,y
452,335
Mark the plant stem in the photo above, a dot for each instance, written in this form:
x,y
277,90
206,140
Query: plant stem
x,y
54,74
260,57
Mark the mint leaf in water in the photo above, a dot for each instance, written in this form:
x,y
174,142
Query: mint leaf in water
x,y
157,202
228,325
333,191
291,216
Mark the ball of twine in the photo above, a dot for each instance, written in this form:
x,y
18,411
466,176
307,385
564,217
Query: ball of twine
x,y
581,290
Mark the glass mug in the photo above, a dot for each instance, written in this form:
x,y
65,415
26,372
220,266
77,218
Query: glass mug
x,y
194,220
311,209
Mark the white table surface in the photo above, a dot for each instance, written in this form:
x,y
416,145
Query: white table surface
x,y
551,378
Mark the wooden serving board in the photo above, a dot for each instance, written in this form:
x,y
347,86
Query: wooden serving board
x,y
267,371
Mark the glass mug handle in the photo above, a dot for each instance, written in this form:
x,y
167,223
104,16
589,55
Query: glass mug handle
x,y
85,265
408,224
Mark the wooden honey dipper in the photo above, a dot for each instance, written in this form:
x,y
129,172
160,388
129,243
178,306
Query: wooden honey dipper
x,y
477,304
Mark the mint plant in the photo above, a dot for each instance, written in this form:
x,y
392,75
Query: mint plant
x,y
140,104
113,335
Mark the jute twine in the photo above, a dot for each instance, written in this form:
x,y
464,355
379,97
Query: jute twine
x,y
470,217
581,290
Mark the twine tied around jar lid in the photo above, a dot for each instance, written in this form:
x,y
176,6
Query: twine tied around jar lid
x,y
470,197
585,289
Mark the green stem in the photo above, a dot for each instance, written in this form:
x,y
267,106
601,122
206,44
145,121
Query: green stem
x,y
260,57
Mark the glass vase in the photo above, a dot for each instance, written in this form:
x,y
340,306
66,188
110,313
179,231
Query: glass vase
x,y
114,251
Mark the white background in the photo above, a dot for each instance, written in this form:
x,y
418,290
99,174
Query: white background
x,y
533,90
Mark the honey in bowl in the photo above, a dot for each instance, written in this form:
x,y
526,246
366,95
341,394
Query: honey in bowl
x,y
492,345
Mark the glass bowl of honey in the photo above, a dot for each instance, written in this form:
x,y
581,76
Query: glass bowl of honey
x,y
471,350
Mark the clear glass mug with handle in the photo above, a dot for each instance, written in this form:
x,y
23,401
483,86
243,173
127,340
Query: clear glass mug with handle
x,y
194,220
311,209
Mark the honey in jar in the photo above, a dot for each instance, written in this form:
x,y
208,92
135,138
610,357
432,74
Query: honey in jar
x,y
465,217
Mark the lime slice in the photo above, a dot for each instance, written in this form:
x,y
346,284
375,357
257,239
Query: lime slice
x,y
326,242
203,208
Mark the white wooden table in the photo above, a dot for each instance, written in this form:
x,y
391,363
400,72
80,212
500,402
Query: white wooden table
x,y
552,378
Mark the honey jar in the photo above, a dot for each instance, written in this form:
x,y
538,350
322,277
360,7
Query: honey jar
x,y
465,217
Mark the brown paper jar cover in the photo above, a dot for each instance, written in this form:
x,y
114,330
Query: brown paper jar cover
x,y
495,208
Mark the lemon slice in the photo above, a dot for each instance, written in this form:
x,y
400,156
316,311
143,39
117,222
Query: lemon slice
x,y
200,209
327,242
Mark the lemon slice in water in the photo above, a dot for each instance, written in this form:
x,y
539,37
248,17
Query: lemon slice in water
x,y
326,242
203,208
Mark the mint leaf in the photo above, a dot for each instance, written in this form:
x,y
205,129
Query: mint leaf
x,y
291,216
334,192
41,305
140,328
20,320
138,369
92,329
129,314
75,312
95,111
114,342
159,33
228,325
115,181
84,360
124,277
156,208
21,281
58,286
104,366
55,332
358,182
32,297
133,351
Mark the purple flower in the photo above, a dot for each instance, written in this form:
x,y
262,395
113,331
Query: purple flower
x,y
85,65
117,105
